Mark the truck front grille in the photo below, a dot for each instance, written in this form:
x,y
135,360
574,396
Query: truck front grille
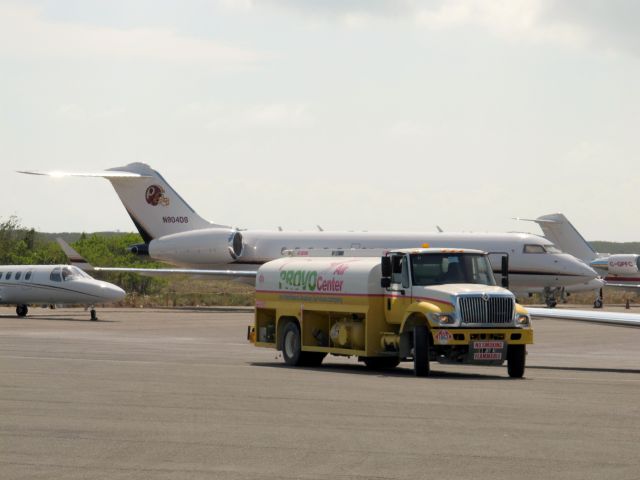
x,y
492,310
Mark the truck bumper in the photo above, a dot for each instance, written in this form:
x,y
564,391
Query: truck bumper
x,y
464,336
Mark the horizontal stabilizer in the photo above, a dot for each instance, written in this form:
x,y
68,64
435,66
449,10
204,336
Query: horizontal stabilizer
x,y
536,220
102,174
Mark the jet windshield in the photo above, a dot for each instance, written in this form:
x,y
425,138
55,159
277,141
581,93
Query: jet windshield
x,y
72,273
441,268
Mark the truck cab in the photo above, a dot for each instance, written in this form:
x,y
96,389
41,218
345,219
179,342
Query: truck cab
x,y
469,319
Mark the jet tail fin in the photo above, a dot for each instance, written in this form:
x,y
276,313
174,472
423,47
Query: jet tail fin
x,y
74,257
155,208
559,230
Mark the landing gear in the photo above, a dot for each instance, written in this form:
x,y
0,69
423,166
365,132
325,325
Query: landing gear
x,y
94,315
550,297
599,302
22,310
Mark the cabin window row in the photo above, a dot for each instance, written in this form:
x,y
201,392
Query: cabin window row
x,y
17,276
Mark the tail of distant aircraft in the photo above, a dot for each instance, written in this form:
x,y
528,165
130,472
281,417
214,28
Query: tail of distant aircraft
x,y
154,206
564,235
74,257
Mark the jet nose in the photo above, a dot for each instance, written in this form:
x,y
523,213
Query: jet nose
x,y
578,268
113,292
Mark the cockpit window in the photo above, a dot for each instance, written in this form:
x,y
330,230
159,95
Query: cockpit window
x,y
8,277
71,273
551,248
55,275
18,275
28,275
534,249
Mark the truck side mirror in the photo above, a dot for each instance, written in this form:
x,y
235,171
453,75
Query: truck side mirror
x,y
505,271
385,282
385,264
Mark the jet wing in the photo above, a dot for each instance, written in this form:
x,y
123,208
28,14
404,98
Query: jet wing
x,y
615,318
622,285
161,272
79,261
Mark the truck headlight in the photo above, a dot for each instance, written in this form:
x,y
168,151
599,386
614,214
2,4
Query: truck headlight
x,y
443,319
523,320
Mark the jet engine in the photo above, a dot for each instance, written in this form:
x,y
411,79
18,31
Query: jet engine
x,y
212,246
624,264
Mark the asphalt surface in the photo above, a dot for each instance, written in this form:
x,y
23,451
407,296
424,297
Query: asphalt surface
x,y
165,394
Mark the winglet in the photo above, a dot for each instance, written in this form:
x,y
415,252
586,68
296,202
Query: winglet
x,y
74,257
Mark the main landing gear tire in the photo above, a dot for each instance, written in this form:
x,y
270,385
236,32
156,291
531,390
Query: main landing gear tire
x,y
381,363
22,310
516,358
551,303
292,349
421,351
94,315
598,303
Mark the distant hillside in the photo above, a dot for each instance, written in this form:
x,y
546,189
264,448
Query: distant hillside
x,y
615,247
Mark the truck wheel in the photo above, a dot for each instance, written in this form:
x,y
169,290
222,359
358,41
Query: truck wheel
x,y
516,356
421,351
381,363
291,344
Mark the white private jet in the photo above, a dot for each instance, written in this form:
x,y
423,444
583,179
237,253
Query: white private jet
x,y
617,270
173,232
24,285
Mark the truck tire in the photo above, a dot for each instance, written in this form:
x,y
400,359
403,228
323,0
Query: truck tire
x,y
516,357
421,351
291,344
381,363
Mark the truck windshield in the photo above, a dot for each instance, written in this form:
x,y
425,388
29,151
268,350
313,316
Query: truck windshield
x,y
441,268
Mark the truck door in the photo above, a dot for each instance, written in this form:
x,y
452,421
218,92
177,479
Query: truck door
x,y
398,295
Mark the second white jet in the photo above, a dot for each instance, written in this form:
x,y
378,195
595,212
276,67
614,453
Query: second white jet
x,y
24,285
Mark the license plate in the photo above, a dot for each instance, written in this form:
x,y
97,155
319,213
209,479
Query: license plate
x,y
488,350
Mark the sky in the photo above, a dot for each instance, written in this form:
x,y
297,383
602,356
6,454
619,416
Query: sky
x,y
349,114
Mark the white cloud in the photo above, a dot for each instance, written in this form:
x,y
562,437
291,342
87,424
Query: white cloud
x,y
24,32
519,19
609,25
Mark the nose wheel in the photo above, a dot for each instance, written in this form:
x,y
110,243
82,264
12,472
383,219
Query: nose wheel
x,y
22,310
94,315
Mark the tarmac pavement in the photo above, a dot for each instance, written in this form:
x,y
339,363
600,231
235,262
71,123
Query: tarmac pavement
x,y
168,394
